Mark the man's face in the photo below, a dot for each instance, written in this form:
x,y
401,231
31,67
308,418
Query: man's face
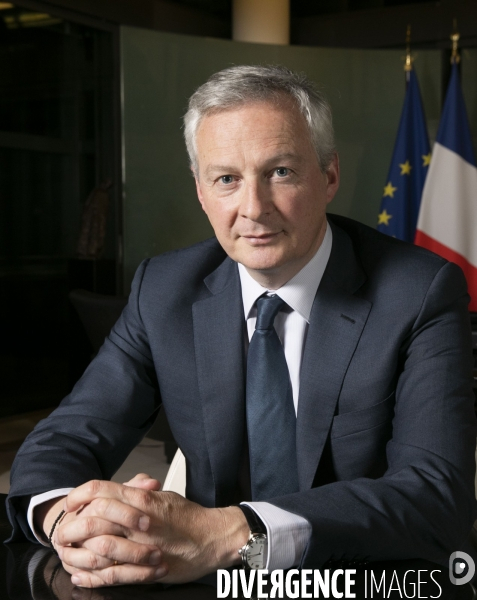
x,y
261,186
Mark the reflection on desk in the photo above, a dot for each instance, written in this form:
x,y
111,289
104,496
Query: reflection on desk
x,y
33,572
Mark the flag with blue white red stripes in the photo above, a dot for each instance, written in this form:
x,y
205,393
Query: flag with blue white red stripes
x,y
403,190
447,221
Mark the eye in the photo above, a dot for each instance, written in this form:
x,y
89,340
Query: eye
x,y
226,179
282,171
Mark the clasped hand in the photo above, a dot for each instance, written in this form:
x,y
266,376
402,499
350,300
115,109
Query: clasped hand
x,y
115,534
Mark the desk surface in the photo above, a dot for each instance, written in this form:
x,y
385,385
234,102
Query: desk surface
x,y
31,572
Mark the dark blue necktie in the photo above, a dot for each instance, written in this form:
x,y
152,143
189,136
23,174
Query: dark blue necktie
x,y
271,420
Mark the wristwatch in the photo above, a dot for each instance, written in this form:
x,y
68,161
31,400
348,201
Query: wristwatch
x,y
254,553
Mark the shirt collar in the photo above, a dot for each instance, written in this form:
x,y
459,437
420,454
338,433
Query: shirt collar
x,y
299,293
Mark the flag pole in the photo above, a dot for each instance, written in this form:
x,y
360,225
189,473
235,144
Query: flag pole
x,y
408,58
455,37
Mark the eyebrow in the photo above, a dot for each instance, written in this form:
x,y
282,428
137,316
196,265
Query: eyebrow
x,y
230,169
220,168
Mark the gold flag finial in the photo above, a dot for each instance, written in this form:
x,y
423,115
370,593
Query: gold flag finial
x,y
408,58
455,37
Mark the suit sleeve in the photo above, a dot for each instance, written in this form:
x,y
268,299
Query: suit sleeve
x,y
94,429
424,504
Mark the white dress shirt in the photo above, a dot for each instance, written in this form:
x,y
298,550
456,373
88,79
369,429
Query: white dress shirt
x,y
287,533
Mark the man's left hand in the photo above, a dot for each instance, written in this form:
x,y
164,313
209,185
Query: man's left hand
x,y
193,540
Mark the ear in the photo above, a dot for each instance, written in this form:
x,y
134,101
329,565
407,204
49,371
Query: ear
x,y
198,189
333,178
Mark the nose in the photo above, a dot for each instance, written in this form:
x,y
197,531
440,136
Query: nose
x,y
256,201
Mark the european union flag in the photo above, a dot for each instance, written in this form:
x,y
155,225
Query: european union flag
x,y
409,165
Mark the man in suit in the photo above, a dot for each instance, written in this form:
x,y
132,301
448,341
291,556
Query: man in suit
x,y
374,360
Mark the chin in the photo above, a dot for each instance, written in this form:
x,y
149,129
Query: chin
x,y
264,259
263,265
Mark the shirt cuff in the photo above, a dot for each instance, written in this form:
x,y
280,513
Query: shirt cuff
x,y
288,535
39,499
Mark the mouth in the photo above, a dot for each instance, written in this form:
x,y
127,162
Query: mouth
x,y
260,239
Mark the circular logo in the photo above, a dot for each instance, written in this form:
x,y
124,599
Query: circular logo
x,y
461,568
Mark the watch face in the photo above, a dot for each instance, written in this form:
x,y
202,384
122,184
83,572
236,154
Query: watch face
x,y
257,552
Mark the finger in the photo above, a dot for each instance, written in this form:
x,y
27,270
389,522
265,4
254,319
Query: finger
x,y
124,551
86,493
153,485
139,477
145,482
104,551
119,575
96,489
120,512
85,528
81,558
114,511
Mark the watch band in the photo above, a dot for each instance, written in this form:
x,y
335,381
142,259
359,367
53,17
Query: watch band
x,y
254,521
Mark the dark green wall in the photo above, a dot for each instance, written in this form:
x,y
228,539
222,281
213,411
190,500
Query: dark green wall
x,y
160,71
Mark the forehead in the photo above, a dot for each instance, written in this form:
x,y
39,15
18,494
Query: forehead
x,y
252,127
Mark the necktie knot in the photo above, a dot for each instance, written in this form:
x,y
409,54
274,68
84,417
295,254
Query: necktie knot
x,y
267,309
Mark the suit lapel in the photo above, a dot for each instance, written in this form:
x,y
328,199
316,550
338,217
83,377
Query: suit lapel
x,y
219,348
336,322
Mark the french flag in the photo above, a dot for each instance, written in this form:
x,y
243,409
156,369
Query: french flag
x,y
447,222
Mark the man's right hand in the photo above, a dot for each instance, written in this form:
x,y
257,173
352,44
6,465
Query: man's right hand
x,y
100,542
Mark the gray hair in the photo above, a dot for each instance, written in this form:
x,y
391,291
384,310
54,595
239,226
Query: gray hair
x,y
238,85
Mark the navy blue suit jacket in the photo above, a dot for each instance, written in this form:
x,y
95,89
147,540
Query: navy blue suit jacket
x,y
385,427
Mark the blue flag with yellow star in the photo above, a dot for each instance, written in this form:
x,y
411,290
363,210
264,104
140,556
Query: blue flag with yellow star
x,y
411,158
